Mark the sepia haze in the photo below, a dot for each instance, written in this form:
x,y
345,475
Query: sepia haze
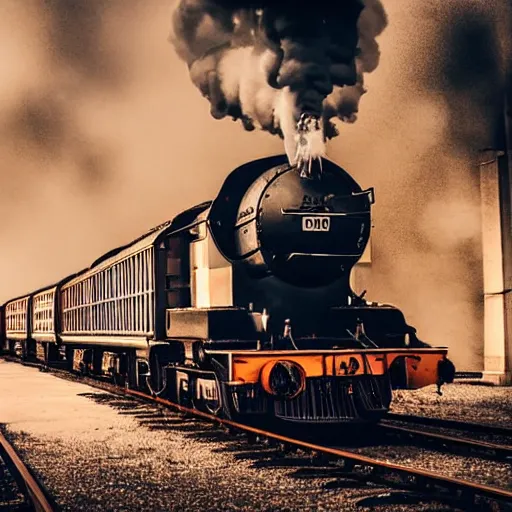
x,y
103,135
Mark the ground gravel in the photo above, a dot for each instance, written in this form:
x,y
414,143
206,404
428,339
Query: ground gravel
x,y
100,452
10,496
166,464
489,405
474,469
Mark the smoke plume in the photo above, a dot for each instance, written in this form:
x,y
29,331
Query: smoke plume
x,y
282,66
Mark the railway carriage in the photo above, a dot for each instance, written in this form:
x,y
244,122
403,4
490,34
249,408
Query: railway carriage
x,y
114,313
44,323
3,340
17,322
241,306
33,324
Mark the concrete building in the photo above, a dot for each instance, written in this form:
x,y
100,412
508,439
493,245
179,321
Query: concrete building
x,y
495,186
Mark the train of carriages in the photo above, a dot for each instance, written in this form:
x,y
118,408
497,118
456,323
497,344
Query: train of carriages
x,y
240,307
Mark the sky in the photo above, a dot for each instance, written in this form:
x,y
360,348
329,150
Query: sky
x,y
104,136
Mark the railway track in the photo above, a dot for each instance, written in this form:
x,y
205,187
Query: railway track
x,y
443,488
454,491
33,496
493,451
451,424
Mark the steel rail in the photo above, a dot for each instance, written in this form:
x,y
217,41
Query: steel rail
x,y
501,451
421,475
453,424
27,483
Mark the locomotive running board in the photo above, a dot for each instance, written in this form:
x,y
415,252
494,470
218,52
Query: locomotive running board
x,y
421,365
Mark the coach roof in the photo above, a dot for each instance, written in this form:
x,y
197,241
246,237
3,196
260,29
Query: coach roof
x,y
183,220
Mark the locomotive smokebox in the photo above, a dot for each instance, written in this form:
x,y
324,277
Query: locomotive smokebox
x,y
307,232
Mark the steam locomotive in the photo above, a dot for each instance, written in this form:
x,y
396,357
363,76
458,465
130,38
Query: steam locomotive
x,y
240,307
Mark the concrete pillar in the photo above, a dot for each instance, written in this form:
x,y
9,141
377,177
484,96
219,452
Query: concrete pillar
x,y
496,240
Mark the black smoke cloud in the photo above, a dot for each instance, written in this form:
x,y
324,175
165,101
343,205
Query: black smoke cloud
x,y
268,62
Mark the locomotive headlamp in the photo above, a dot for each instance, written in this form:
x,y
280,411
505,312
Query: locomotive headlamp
x,y
283,379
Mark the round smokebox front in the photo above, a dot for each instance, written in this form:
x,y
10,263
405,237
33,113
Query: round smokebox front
x,y
307,232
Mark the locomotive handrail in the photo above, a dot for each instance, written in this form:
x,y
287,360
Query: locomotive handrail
x,y
370,192
321,255
355,338
293,211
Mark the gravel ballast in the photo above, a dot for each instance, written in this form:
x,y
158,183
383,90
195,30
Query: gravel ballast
x,y
11,498
96,451
489,405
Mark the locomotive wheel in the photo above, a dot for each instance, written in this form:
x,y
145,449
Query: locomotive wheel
x,y
50,353
28,350
97,361
159,358
70,354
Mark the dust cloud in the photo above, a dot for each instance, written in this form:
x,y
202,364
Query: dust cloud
x,y
103,136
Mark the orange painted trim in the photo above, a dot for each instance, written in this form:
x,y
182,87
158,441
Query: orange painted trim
x,y
423,372
247,366
248,369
